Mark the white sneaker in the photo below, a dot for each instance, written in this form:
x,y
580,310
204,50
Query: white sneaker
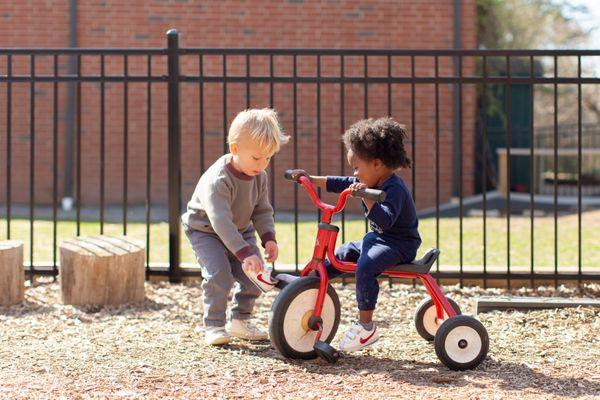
x,y
216,336
262,279
244,329
357,337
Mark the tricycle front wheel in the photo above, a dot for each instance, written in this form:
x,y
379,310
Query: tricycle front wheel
x,y
289,321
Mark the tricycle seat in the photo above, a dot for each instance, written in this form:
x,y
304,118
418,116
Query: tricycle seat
x,y
420,266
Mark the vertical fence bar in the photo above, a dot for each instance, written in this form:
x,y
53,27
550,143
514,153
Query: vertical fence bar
x,y
224,103
507,116
413,121
366,86
319,126
342,124
389,84
366,108
54,165
460,165
555,172
32,166
579,160
148,159
174,156
248,80
201,111
102,143
437,160
295,124
531,168
389,110
125,140
8,143
78,148
271,104
484,145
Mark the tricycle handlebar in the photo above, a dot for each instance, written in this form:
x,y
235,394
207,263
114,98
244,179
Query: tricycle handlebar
x,y
300,176
294,174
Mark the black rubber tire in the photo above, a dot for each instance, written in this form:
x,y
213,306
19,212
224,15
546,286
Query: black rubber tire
x,y
280,307
420,314
441,338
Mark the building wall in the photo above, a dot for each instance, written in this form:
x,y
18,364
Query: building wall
x,y
240,24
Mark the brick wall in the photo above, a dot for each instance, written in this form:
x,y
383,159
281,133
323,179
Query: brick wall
x,y
280,24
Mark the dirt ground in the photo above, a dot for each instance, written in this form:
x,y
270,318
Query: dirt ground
x,y
156,350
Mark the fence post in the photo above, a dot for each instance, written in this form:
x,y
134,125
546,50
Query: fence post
x,y
174,156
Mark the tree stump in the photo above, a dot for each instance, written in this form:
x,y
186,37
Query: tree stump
x,y
12,276
102,270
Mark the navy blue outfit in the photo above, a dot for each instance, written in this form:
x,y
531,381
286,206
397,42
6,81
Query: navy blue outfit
x,y
394,238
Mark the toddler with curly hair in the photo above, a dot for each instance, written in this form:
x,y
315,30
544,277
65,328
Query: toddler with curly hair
x,y
375,150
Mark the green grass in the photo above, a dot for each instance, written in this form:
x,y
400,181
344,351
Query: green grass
x,y
520,249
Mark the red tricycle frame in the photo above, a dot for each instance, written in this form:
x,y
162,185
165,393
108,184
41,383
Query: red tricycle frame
x,y
325,247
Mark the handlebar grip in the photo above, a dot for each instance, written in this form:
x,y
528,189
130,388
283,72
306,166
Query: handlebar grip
x,y
294,174
371,194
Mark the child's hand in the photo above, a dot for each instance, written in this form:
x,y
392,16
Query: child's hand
x,y
358,185
252,263
271,251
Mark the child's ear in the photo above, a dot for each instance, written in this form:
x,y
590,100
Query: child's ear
x,y
377,163
233,148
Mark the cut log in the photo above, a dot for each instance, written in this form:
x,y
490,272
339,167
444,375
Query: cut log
x,y
12,276
102,270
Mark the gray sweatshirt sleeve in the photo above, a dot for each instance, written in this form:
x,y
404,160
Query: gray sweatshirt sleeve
x,y
217,201
262,217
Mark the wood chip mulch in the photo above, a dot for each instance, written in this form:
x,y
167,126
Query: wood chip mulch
x,y
156,351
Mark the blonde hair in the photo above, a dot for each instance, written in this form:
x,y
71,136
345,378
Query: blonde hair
x,y
260,125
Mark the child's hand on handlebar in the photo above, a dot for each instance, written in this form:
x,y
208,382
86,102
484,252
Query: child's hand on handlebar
x,y
252,263
271,251
358,186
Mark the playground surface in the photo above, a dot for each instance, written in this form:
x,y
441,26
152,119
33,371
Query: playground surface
x,y
156,350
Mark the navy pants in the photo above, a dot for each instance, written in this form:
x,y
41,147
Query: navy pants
x,y
372,256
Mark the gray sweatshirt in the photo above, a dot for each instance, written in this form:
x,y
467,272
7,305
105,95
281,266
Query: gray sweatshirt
x,y
228,202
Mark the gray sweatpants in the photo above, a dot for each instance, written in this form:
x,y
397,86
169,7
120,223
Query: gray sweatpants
x,y
220,269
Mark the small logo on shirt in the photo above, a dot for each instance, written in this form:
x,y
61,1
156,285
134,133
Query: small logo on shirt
x,y
375,227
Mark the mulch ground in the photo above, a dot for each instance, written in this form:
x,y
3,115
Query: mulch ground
x,y
156,350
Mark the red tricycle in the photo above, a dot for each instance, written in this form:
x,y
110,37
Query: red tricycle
x,y
306,313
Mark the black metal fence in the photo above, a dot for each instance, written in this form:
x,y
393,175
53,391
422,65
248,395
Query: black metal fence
x,y
478,78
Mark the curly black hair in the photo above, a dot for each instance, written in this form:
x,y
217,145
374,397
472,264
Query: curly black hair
x,y
380,138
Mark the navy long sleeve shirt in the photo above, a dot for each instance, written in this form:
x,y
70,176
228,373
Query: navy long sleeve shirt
x,y
395,218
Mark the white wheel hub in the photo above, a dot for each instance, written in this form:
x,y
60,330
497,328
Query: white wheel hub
x,y
463,344
431,323
295,330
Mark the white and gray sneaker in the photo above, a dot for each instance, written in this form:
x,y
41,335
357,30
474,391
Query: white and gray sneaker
x,y
216,336
263,279
244,329
357,337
